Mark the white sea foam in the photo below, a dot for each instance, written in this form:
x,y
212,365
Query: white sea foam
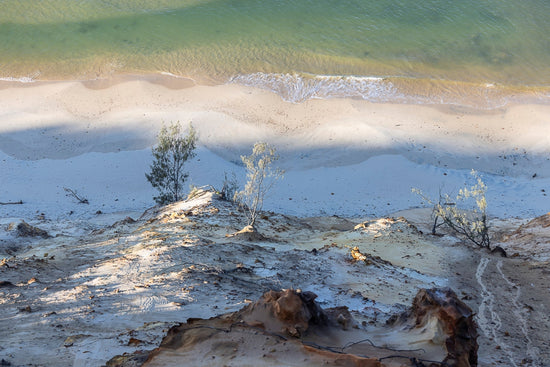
x,y
299,88
24,79
166,73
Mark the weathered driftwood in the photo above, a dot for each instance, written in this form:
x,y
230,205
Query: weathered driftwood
x,y
12,202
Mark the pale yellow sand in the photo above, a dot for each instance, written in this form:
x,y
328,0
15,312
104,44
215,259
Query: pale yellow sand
x,y
62,119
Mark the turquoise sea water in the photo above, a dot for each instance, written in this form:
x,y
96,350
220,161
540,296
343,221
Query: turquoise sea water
x,y
428,51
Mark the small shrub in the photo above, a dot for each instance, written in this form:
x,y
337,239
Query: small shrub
x,y
229,187
471,224
261,176
169,156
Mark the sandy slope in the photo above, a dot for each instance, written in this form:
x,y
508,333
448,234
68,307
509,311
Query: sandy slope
x,y
81,299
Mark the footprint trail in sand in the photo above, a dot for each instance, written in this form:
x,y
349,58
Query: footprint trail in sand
x,y
520,313
490,321
487,318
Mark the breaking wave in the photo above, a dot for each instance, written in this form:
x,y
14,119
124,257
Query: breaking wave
x,y
25,79
298,88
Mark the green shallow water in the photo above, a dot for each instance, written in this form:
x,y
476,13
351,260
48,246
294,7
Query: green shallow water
x,y
469,42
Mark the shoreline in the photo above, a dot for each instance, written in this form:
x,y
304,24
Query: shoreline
x,y
111,104
334,150
299,87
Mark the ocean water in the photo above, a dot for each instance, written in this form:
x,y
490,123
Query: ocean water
x,y
431,51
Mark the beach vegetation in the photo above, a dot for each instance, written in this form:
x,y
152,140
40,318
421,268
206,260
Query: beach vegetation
x,y
261,176
230,186
465,213
173,149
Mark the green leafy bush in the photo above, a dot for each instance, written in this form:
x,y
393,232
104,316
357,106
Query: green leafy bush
x,y
173,149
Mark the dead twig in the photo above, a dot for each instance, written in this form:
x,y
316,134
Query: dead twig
x,y
74,194
12,203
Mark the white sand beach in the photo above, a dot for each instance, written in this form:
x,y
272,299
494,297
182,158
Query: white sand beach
x,y
341,156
